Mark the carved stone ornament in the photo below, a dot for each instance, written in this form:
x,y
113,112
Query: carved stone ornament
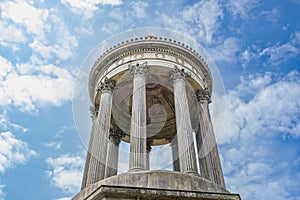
x,y
115,136
179,74
106,86
203,96
138,69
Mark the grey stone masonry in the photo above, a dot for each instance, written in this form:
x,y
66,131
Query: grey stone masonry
x,y
138,132
186,150
210,165
113,153
96,170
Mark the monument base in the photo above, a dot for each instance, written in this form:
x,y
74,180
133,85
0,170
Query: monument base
x,y
155,185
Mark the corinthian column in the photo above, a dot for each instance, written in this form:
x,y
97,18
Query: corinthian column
x,y
209,160
99,142
113,153
88,156
138,134
187,156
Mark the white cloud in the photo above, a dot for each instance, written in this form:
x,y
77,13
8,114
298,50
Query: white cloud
x,y
10,35
276,54
241,8
54,145
226,51
126,18
40,24
5,67
66,172
280,53
204,19
262,113
26,85
64,198
6,124
61,46
272,15
251,106
25,14
87,7
138,9
13,151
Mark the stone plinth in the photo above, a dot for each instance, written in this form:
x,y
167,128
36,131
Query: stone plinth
x,y
155,185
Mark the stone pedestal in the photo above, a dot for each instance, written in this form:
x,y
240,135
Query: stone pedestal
x,y
155,185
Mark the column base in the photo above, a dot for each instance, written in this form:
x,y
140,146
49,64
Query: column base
x,y
192,173
155,185
136,170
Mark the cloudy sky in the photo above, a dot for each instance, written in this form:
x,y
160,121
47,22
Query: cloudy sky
x,y
254,43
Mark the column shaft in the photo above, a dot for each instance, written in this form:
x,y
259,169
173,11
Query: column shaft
x,y
88,156
187,156
138,134
112,154
100,139
209,160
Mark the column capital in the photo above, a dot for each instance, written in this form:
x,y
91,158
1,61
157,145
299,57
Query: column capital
x,y
107,85
203,96
139,69
115,136
93,112
179,74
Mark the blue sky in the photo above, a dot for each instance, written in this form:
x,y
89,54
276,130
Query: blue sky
x,y
254,43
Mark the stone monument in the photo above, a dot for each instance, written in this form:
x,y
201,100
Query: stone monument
x,y
151,91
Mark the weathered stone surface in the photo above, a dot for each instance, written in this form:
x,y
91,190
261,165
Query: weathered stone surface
x,y
100,135
155,185
186,150
209,160
138,134
150,109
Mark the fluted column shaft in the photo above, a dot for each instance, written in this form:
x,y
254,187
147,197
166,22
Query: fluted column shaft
x,y
96,170
209,160
88,156
175,155
112,153
138,134
187,156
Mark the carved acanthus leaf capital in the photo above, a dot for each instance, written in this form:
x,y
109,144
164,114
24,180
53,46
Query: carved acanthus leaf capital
x,y
139,69
203,96
106,86
179,74
115,136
